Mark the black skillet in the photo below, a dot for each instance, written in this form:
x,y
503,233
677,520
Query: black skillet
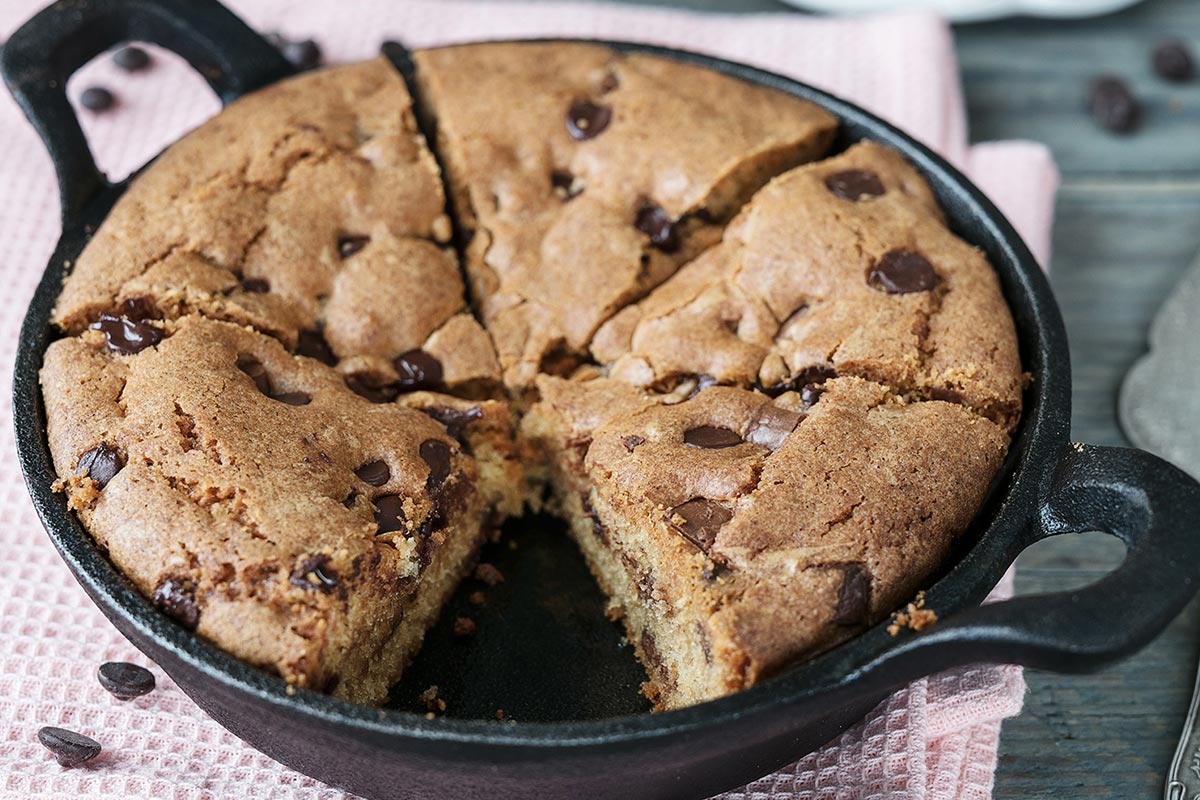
x,y
543,654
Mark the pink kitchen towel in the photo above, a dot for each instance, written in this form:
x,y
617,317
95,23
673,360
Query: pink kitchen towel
x,y
935,740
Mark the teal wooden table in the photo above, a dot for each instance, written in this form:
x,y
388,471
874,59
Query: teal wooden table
x,y
1128,224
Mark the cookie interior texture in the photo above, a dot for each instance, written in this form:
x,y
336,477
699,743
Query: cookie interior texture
x,y
313,359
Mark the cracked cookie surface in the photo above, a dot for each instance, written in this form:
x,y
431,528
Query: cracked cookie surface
x,y
766,391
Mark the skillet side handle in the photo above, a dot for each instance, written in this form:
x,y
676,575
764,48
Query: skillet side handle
x,y
1150,505
40,57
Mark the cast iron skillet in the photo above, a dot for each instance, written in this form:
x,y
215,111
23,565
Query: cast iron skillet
x,y
579,730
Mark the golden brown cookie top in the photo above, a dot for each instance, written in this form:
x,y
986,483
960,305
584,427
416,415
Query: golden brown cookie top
x,y
842,267
312,210
584,177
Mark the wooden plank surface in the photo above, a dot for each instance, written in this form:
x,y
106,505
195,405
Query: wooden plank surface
x,y
1128,224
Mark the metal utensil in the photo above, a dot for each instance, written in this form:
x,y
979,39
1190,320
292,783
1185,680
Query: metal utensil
x,y
1159,401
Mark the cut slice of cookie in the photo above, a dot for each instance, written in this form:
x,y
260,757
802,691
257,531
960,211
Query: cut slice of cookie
x,y
314,212
735,534
583,177
841,267
259,501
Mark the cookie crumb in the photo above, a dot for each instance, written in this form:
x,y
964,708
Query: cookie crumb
x,y
477,598
488,574
432,703
500,715
464,626
915,617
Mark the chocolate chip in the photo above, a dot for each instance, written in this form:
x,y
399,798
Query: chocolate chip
x,y
566,187
369,387
314,573
304,54
655,222
812,376
293,398
711,437
257,372
1113,105
436,454
70,749
855,184
598,529
809,395
946,394
771,425
101,464
177,598
349,245
488,574
902,272
1172,61
389,513
256,286
138,308
350,500
854,596
609,83
698,520
631,442
125,681
127,336
131,59
418,370
312,344
97,98
455,420
586,120
375,473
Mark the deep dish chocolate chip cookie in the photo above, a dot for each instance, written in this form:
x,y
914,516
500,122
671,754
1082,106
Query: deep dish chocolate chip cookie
x,y
303,373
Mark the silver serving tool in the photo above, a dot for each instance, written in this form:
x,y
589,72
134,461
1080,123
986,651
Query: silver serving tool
x,y
1159,405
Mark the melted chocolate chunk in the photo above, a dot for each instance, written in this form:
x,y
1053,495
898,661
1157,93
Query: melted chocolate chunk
x,y
854,596
855,184
256,286
1172,61
389,513
176,597
454,420
257,372
598,529
127,336
70,749
368,387
653,220
125,681
698,521
375,473
771,425
304,54
101,464
1113,105
631,442
436,454
711,437
312,344
566,188
293,398
418,370
349,245
587,120
315,574
902,272
138,308
809,377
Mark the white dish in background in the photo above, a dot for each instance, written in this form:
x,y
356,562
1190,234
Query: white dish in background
x,y
972,10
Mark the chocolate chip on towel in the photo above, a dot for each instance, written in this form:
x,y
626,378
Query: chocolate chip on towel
x,y
70,749
125,681
97,98
131,59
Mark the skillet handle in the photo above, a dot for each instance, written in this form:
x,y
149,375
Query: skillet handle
x,y
1150,505
47,49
